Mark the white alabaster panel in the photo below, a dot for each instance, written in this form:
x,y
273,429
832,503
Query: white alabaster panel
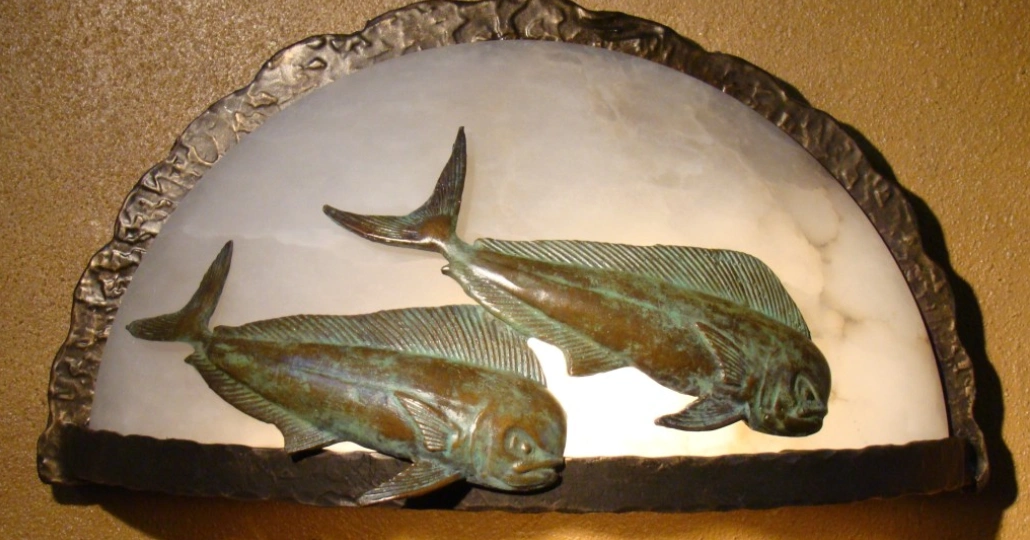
x,y
565,142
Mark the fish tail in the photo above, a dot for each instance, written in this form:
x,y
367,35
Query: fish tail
x,y
432,226
189,324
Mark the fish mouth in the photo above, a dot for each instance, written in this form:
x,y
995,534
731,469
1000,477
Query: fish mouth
x,y
537,473
546,463
803,425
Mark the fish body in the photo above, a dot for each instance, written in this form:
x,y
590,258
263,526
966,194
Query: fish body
x,y
407,383
715,324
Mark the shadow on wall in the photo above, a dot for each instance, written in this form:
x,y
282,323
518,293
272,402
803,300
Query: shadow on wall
x,y
989,408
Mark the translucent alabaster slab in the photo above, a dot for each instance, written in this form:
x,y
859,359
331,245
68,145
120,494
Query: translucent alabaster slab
x,y
565,142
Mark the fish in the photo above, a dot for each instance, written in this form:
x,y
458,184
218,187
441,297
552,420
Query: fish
x,y
449,389
710,323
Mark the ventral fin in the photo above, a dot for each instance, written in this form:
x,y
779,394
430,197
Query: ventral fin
x,y
419,479
299,434
583,355
433,424
594,364
707,413
731,358
730,275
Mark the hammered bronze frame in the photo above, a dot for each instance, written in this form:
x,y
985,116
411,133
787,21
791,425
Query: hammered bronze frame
x,y
70,453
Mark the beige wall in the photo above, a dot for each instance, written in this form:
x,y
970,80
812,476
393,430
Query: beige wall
x,y
92,96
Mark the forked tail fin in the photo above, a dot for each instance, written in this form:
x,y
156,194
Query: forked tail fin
x,y
431,226
189,324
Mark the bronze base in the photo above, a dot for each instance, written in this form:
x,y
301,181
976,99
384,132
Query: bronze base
x,y
622,484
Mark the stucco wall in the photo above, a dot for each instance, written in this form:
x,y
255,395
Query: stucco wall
x,y
95,92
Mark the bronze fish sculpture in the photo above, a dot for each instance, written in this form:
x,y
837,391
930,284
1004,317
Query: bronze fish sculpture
x,y
715,324
450,389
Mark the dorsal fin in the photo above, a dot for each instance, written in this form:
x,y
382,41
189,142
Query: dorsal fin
x,y
731,275
461,333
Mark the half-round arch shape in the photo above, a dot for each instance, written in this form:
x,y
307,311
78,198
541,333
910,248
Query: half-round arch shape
x,y
86,434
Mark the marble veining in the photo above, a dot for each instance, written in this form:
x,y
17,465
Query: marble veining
x,y
565,142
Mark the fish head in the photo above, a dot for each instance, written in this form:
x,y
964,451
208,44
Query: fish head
x,y
518,443
791,399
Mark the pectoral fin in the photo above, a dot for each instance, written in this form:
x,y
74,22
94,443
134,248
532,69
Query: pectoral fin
x,y
732,360
707,413
433,424
419,479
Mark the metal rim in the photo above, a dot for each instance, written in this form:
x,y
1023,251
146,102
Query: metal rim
x,y
316,61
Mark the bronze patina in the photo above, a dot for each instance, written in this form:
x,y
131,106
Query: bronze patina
x,y
715,324
71,453
449,389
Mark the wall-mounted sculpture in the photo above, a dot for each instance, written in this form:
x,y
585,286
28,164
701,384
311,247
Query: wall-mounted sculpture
x,y
588,144
714,324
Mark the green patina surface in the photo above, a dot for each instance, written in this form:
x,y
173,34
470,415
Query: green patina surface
x,y
715,324
450,389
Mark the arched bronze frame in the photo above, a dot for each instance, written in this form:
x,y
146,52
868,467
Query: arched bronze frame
x,y
70,453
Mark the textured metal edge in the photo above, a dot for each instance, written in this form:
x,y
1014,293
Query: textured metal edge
x,y
623,484
319,60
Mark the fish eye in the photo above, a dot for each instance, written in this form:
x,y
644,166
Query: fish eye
x,y
804,390
518,442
